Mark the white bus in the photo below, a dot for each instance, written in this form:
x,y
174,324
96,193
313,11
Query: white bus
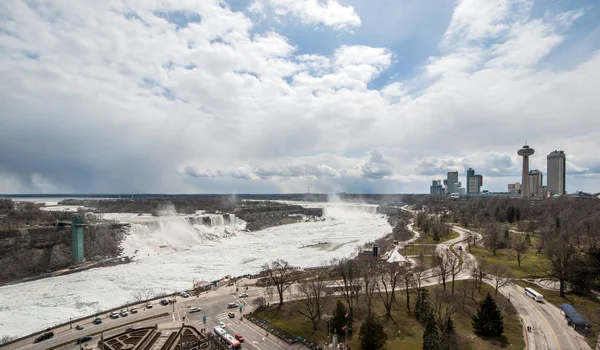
x,y
533,294
232,343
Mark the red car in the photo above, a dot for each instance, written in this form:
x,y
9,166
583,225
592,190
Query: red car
x,y
239,338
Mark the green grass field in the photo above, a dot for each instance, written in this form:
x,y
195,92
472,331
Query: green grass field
x,y
423,239
529,266
415,249
404,332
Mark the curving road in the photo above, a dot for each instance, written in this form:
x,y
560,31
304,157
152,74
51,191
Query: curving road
x,y
549,327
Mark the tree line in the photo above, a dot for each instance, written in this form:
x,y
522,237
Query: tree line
x,y
356,283
567,232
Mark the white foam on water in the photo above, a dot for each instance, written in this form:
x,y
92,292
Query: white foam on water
x,y
179,251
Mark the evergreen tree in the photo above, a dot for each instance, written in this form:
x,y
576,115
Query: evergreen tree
x,y
431,336
422,308
488,321
339,318
449,339
372,336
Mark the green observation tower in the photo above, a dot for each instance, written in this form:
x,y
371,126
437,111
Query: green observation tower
x,y
77,238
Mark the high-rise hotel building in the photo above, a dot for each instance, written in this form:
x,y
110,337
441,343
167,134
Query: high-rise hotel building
x,y
556,173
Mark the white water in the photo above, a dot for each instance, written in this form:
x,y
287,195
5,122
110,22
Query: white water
x,y
150,235
35,305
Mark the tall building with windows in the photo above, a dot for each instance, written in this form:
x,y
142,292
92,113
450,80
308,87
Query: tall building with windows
x,y
535,184
452,183
557,172
474,182
514,189
436,188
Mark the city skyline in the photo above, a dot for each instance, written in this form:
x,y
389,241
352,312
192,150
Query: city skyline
x,y
532,180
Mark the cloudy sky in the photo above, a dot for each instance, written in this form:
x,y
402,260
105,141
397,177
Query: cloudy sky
x,y
255,96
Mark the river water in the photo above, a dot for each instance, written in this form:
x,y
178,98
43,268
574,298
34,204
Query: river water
x,y
36,305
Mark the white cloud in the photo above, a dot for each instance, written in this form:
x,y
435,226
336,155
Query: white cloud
x,y
376,166
109,96
328,12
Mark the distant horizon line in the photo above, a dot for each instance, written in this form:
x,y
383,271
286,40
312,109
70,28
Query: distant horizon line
x,y
111,195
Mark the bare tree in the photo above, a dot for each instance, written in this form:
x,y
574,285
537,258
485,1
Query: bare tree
x,y
478,271
261,302
560,253
281,274
519,247
143,294
418,275
457,267
388,280
5,339
444,268
312,304
443,306
349,271
369,282
492,237
499,275
408,278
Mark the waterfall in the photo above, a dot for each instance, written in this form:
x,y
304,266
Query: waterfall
x,y
150,235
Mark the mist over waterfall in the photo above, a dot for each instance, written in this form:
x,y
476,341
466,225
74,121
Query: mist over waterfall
x,y
168,233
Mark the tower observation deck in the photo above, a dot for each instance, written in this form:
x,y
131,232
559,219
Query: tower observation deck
x,y
525,152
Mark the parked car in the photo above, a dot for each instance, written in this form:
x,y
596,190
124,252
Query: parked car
x,y
79,327
231,315
43,337
84,339
97,320
133,310
184,294
232,305
164,302
114,315
195,309
124,313
459,247
243,295
239,338
149,305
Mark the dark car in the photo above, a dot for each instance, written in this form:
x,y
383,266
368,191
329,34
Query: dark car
x,y
84,339
97,320
164,302
79,327
44,336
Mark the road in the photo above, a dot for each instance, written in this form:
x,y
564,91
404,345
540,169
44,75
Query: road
x,y
213,305
550,330
549,327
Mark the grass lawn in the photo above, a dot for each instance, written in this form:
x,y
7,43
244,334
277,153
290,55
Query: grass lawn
x,y
403,331
529,266
587,306
428,262
415,249
429,239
